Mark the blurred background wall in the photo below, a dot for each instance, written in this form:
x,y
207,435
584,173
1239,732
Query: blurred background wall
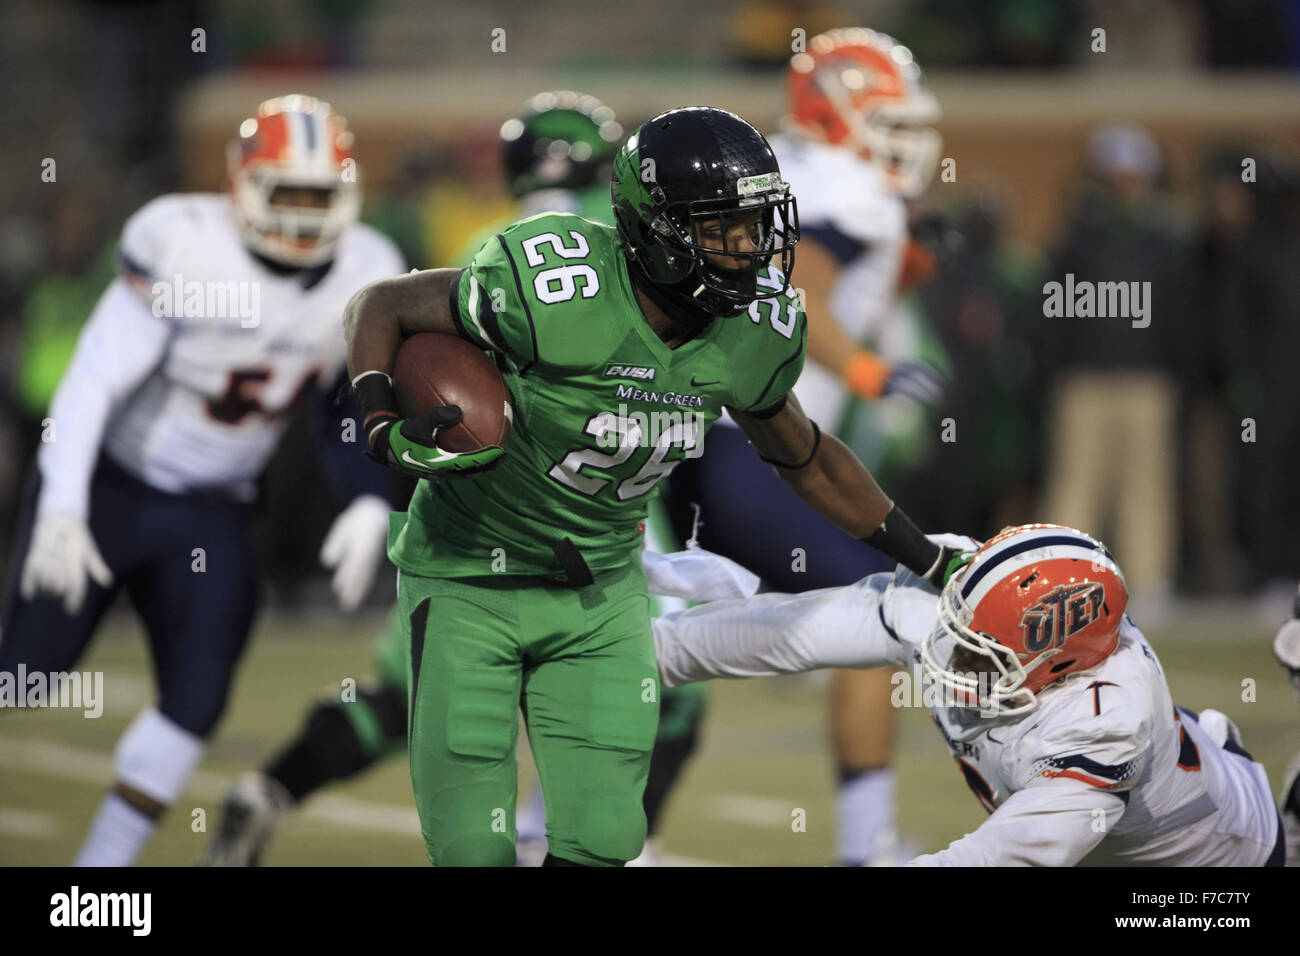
x,y
129,101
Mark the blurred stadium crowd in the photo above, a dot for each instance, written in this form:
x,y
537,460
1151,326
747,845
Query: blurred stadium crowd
x,y
1196,500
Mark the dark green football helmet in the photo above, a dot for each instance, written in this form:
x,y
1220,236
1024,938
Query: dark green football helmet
x,y
698,174
562,140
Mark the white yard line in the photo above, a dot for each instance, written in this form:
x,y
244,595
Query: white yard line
x,y
752,810
27,823
52,759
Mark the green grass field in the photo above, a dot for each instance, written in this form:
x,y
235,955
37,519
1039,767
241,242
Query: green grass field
x,y
764,754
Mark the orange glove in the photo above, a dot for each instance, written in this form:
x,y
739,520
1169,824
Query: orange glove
x,y
866,375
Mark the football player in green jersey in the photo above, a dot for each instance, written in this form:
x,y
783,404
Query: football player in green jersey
x,y
520,581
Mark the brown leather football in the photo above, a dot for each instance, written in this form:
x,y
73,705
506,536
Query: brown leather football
x,y
437,369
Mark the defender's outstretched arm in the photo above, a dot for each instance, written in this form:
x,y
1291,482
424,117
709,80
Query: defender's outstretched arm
x,y
778,634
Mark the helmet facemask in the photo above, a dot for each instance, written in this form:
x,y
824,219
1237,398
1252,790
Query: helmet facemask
x,y
973,669
705,217
277,229
726,244
905,149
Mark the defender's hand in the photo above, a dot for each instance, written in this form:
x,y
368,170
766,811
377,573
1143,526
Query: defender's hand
x,y
917,381
354,547
955,552
410,445
60,557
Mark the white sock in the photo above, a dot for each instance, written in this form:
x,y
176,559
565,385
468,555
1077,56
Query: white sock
x,y
116,837
865,811
530,820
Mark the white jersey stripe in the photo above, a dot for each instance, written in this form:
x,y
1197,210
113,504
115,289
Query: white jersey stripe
x,y
978,588
473,311
1027,548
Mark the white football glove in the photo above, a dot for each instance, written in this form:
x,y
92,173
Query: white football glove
x,y
62,553
918,381
354,547
1286,648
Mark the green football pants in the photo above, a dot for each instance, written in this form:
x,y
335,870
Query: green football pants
x,y
579,663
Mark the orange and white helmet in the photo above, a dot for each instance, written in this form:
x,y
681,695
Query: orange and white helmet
x,y
294,141
862,89
1038,602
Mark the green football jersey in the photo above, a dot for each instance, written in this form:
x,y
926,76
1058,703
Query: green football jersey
x,y
602,408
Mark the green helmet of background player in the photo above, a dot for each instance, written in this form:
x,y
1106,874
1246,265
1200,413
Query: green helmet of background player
x,y
562,140
699,167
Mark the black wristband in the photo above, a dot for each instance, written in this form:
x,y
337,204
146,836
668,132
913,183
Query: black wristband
x,y
377,400
903,541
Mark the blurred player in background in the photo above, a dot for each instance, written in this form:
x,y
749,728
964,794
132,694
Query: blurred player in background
x,y
1286,647
858,146
556,156
1052,702
226,314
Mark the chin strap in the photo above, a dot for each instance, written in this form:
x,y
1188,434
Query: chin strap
x,y
694,320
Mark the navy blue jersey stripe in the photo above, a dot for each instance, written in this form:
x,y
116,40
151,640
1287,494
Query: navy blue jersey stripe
x,y
1107,771
309,119
843,247
1020,548
130,265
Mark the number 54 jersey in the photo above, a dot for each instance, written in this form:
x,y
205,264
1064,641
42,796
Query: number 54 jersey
x,y
195,355
602,408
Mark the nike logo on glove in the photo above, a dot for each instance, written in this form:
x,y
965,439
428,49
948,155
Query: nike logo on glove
x,y
429,462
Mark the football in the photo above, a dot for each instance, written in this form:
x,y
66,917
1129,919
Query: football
x,y
436,369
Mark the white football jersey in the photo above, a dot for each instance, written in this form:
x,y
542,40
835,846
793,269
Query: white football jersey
x,y
838,190
189,366
1104,770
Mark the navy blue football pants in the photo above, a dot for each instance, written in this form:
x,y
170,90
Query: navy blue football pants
x,y
197,621
748,514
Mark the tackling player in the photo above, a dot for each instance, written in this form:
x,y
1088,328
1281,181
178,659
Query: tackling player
x,y
1053,705
619,347
857,147
227,312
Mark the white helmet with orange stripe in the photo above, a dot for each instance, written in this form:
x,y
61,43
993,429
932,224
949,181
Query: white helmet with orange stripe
x,y
293,180
1036,604
863,90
